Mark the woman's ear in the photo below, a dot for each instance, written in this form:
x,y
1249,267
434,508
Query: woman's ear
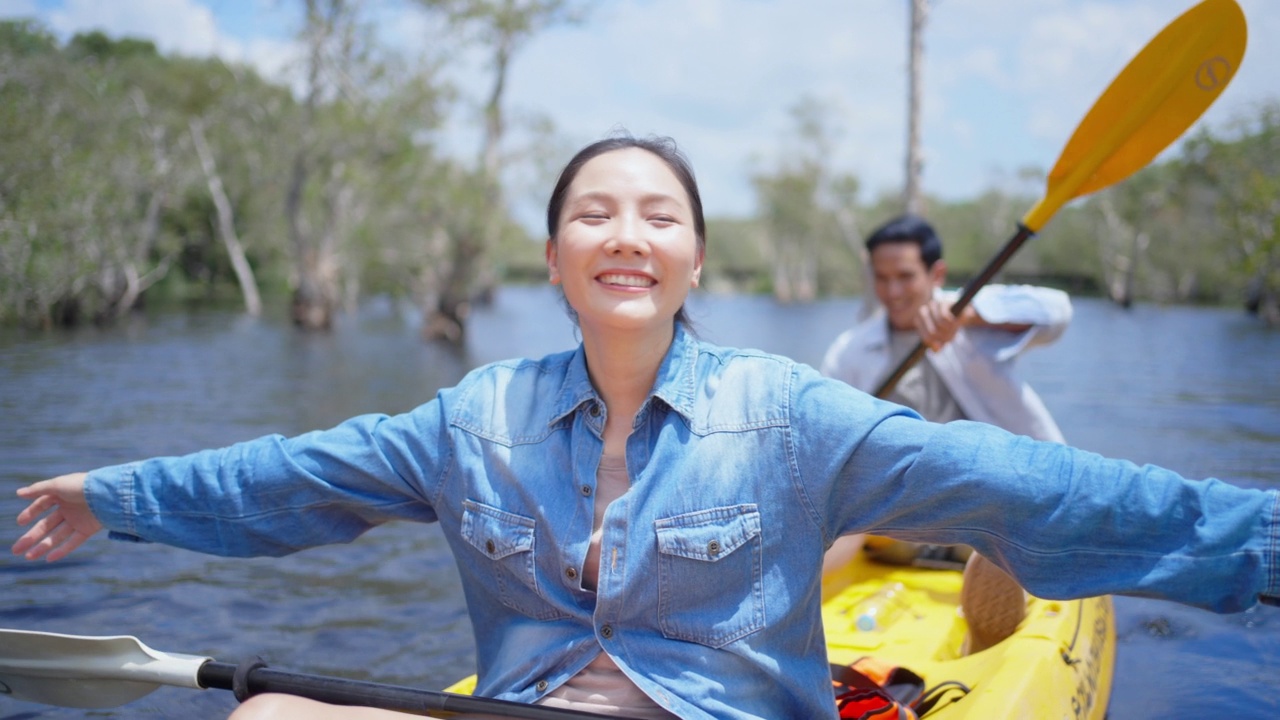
x,y
552,270
697,267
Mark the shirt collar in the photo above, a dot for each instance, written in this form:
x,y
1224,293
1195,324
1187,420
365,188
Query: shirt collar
x,y
674,384
677,376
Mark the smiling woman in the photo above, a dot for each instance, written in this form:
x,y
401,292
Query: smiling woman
x,y
639,522
651,206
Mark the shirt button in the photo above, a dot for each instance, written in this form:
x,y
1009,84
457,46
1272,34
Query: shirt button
x,y
713,547
541,686
606,632
488,545
570,573
586,490
595,410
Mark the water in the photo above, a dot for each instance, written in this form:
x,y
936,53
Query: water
x,y
1196,390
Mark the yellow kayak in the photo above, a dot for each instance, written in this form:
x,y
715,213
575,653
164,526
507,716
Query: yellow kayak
x,y
1057,664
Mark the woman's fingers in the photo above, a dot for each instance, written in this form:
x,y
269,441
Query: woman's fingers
x,y
37,506
52,538
63,541
42,487
35,542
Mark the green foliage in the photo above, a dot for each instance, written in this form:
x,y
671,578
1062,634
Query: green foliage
x,y
98,46
1237,176
24,38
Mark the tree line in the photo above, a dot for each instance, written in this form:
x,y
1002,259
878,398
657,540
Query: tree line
x,y
128,177
1201,227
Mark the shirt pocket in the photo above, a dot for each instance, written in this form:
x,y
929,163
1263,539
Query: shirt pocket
x,y
710,575
507,567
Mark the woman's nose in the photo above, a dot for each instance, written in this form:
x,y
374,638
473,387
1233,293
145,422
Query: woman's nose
x,y
628,238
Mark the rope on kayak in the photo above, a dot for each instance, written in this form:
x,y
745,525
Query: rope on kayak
x,y
933,695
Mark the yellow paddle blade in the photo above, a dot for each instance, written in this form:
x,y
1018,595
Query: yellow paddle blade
x,y
1157,96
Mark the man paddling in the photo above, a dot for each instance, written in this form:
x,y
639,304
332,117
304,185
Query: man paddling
x,y
968,373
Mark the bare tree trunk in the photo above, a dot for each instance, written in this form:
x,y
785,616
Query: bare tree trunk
x,y
781,283
120,282
1262,302
468,275
314,299
226,222
493,119
913,200
807,285
136,284
1120,266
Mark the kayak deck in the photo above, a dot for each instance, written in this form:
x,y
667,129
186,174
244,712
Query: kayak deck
x,y
1057,664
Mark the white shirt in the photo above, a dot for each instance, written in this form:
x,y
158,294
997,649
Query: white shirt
x,y
978,364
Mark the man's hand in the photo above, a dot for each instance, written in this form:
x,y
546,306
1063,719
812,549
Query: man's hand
x,y
69,521
937,326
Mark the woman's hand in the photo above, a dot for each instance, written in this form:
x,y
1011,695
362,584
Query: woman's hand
x,y
69,523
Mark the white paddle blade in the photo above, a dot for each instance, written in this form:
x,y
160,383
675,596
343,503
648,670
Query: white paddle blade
x,y
88,672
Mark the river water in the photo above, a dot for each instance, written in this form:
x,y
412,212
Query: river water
x,y
1193,389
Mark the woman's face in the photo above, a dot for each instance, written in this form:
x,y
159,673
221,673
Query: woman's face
x,y
625,248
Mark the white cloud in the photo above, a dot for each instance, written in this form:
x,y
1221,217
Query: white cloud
x,y
721,78
177,26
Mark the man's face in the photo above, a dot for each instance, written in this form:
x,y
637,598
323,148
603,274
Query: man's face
x,y
902,282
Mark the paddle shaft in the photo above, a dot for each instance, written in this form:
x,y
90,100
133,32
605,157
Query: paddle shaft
x,y
1021,236
341,691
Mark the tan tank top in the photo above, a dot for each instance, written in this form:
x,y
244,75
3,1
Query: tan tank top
x,y
601,686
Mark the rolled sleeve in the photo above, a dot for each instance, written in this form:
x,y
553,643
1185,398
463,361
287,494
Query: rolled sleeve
x,y
110,493
1271,595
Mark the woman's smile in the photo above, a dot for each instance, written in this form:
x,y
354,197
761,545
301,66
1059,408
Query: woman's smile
x,y
627,280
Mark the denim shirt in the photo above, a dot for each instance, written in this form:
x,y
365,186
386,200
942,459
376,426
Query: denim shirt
x,y
744,467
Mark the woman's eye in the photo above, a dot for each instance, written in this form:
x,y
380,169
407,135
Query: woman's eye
x,y
662,220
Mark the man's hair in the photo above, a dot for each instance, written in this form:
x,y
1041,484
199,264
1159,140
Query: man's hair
x,y
909,228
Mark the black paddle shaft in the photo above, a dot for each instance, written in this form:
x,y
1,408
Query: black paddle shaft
x,y
341,691
1021,236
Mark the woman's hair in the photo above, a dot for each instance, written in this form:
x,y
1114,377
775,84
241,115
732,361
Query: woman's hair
x,y
909,228
665,149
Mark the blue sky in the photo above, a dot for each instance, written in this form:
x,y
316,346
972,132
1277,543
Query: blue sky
x,y
1005,81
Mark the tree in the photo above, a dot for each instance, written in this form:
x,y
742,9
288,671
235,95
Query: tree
x,y
501,27
913,198
226,220
804,205
1244,170
88,171
316,170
